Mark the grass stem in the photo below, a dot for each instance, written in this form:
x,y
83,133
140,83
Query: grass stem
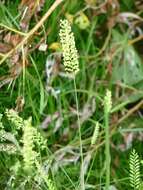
x,y
80,140
107,147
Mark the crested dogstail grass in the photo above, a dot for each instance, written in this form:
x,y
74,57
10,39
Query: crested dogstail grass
x,y
134,164
70,55
33,143
9,143
95,134
8,148
29,155
7,136
71,63
14,118
40,141
45,177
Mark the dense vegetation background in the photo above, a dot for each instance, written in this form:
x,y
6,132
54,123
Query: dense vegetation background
x,y
54,131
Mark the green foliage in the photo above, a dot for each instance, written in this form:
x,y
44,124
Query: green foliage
x,y
135,180
130,71
69,153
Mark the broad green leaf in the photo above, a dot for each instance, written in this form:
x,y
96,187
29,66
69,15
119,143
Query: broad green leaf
x,y
127,65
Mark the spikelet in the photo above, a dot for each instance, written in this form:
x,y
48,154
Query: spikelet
x,y
8,148
45,177
70,55
40,141
134,164
13,117
108,101
29,155
7,136
95,134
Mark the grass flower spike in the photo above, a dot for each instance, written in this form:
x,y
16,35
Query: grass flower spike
x,y
70,55
95,134
13,116
135,180
108,101
29,154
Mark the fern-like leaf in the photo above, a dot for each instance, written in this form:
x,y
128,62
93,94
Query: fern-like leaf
x,y
134,165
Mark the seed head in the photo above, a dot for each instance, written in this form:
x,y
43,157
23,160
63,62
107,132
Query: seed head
x,y
70,55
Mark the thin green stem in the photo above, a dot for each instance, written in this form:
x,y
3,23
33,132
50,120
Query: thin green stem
x,y
107,147
80,140
13,30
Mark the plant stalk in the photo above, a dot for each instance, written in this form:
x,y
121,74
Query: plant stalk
x,y
80,140
107,148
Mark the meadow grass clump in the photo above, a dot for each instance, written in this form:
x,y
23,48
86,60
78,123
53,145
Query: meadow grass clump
x,y
83,144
